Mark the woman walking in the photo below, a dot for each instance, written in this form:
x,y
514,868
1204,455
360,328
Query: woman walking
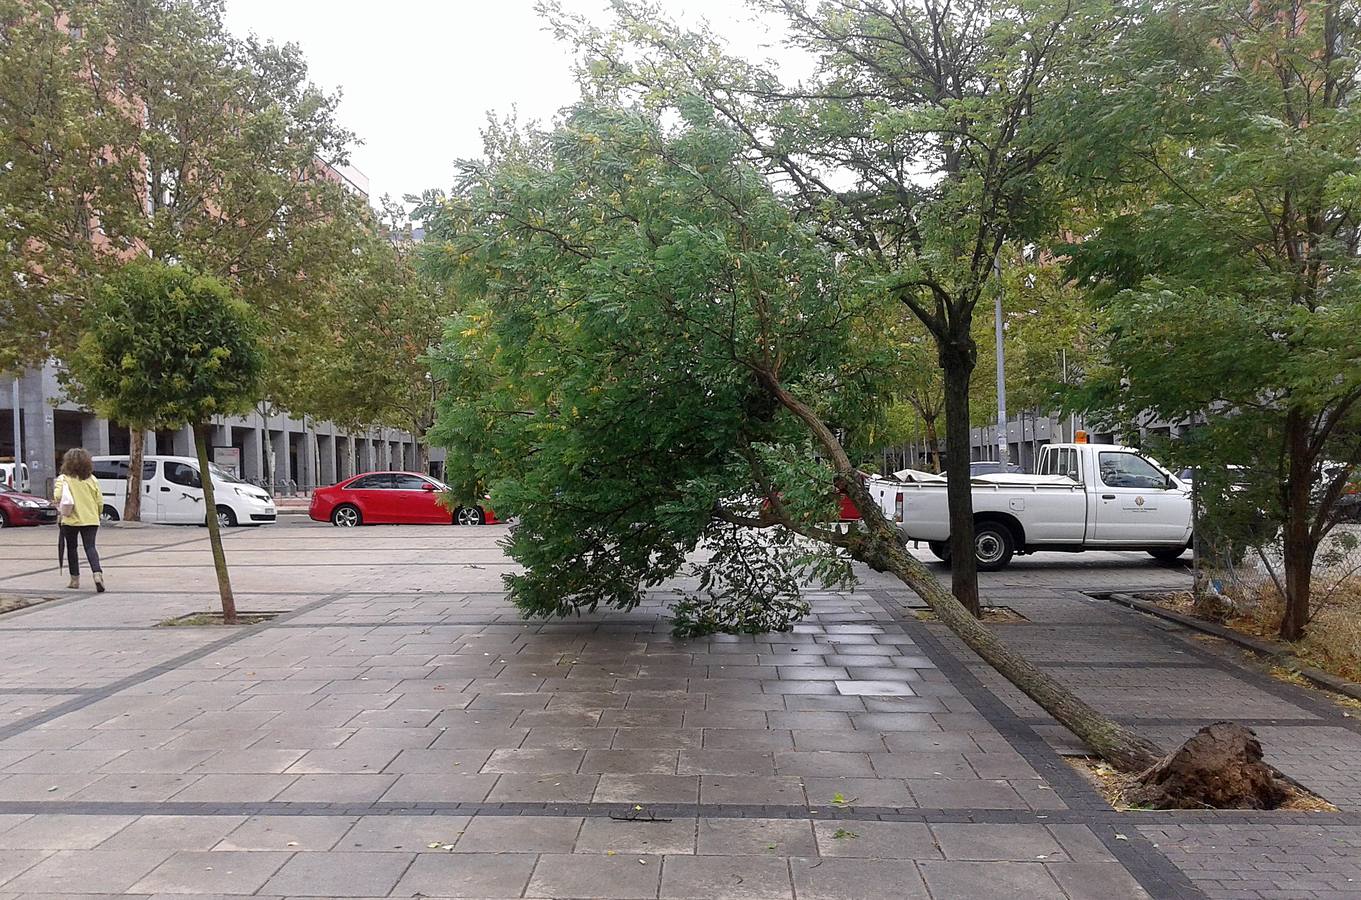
x,y
79,499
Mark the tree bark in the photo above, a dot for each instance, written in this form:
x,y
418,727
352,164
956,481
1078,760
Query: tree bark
x,y
132,503
423,454
1298,544
957,360
933,444
224,581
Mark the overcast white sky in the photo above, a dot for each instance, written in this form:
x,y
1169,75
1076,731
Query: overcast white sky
x,y
418,76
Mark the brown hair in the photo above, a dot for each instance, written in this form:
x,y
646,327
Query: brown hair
x,y
77,463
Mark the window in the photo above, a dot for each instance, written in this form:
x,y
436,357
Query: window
x,y
148,469
1068,465
371,483
409,482
111,468
182,474
1130,471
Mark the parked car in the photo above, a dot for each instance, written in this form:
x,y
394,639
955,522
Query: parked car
x,y
14,475
391,498
1084,497
17,508
172,492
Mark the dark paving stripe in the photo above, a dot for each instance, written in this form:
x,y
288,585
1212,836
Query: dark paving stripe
x,y
1150,867
1198,721
94,696
1093,818
4,692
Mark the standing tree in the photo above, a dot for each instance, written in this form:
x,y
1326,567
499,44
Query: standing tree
x,y
169,348
144,128
925,140
656,357
1230,281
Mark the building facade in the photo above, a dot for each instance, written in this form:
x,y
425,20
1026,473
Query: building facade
x,y
306,453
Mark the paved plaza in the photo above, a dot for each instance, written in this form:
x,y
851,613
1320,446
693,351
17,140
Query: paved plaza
x,y
398,731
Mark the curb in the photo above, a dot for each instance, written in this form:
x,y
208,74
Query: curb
x,y
1270,649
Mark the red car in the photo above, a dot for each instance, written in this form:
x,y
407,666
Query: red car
x,y
24,509
387,498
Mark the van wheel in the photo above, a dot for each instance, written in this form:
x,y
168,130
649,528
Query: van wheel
x,y
225,517
941,550
993,546
108,514
1167,554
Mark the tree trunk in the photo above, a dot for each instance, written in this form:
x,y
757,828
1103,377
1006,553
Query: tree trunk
x,y
132,503
1299,547
224,581
957,361
933,445
423,454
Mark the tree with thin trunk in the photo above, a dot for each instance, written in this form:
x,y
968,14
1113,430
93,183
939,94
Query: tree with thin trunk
x,y
922,143
1226,269
170,348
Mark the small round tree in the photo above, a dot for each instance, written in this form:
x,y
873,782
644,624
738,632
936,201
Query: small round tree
x,y
168,347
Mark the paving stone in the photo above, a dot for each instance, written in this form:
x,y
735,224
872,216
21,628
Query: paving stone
x,y
784,790
342,761
725,878
1020,843
336,788
822,762
876,840
92,871
409,833
339,874
725,762
588,876
248,762
145,787
859,792
1097,881
427,788
615,788
63,832
519,834
855,879
212,872
956,794
467,875
547,788
631,762
600,835
235,788
756,837
287,833
989,880
173,832
14,863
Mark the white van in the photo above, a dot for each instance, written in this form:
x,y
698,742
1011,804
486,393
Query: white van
x,y
14,475
173,494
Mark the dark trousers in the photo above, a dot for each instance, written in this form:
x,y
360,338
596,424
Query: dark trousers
x,y
87,537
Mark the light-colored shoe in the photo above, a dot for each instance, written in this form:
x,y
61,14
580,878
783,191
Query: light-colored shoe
x,y
99,582
74,583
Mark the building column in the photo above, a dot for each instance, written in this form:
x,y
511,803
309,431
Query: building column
x,y
39,433
252,456
94,435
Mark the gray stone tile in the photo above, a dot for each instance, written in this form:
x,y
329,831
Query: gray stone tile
x,y
235,788
413,834
88,871
859,792
249,762
437,762
467,875
343,761
547,788
755,837
922,765
746,739
156,761
213,872
519,834
782,790
337,788
426,788
173,832
540,738
953,794
822,763
14,863
28,786
1097,881
876,840
658,738
146,787
631,762
989,880
59,762
590,876
523,762
599,835
1018,843
615,788
339,874
856,879
1080,844
63,832
287,833
726,762
726,878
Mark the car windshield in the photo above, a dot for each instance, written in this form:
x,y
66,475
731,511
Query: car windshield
x,y
221,474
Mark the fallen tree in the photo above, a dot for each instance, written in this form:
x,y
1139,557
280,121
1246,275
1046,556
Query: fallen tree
x,y
655,356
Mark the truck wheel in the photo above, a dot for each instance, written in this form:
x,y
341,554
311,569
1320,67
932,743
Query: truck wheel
x,y
1167,554
993,546
940,549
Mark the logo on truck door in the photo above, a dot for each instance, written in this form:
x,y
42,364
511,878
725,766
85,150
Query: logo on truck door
x,y
1138,501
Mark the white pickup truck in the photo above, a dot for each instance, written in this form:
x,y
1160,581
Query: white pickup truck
x,y
1083,497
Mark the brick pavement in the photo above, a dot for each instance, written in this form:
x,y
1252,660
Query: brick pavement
x,y
399,732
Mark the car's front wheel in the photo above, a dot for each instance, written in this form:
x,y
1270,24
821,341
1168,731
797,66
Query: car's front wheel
x,y
225,517
4,519
346,517
469,515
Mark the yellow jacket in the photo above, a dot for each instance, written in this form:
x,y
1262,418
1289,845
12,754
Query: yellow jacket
x,y
86,493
